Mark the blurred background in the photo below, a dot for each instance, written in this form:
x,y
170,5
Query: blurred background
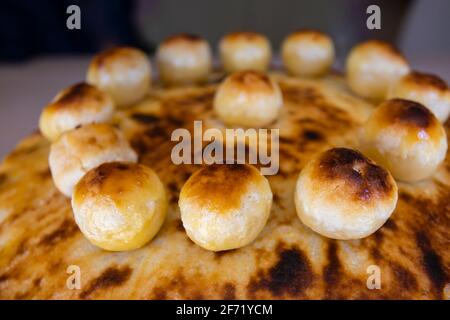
x,y
39,55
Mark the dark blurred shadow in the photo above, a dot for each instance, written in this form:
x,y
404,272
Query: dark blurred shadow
x,y
29,28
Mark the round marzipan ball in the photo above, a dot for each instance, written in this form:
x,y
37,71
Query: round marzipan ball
x,y
224,206
123,72
184,59
307,53
74,106
341,194
79,150
245,51
119,206
406,138
373,67
248,98
427,89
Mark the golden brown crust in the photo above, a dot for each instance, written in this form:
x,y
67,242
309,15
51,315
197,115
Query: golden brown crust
x,y
39,238
182,38
366,180
382,47
310,34
252,81
410,115
106,59
123,72
248,98
221,186
119,206
373,67
244,36
79,97
426,80
104,179
76,105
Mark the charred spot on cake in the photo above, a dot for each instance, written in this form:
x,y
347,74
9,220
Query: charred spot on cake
x,y
158,294
65,230
144,118
426,79
291,274
367,179
302,95
390,225
404,277
4,277
111,277
312,135
432,264
410,113
229,291
3,178
332,270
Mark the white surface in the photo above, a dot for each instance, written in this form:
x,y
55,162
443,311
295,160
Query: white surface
x,y
26,88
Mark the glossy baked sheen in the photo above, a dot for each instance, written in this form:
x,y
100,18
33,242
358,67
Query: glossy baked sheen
x,y
341,194
82,149
245,51
123,72
248,98
225,207
39,238
119,206
427,89
307,53
373,67
74,106
406,138
184,59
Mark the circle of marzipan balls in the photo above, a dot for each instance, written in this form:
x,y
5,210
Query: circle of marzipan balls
x,y
123,72
307,53
248,98
76,105
406,138
341,194
119,205
373,67
79,150
184,59
245,51
225,207
427,89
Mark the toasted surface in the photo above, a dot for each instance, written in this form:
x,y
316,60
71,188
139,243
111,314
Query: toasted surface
x,y
225,206
245,51
123,72
76,105
39,238
427,89
248,98
84,148
342,194
119,205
